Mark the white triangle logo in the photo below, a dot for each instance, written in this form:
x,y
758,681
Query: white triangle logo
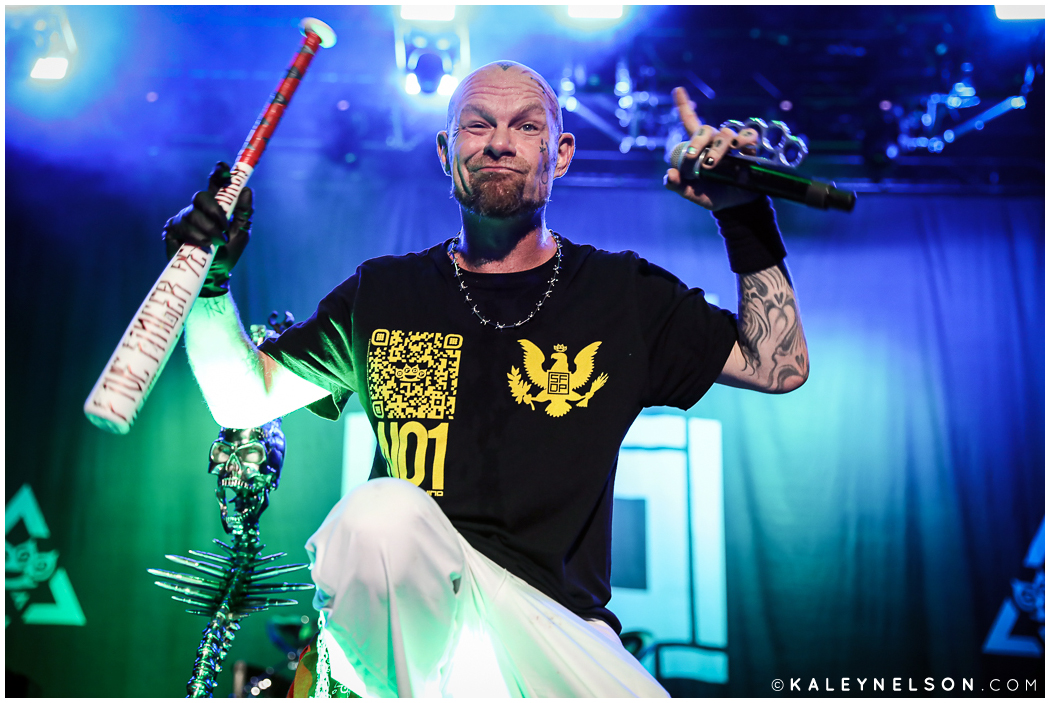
x,y
26,568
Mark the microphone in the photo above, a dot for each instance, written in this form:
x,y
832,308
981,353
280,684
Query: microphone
x,y
763,177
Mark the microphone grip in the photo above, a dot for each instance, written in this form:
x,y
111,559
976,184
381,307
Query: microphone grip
x,y
760,178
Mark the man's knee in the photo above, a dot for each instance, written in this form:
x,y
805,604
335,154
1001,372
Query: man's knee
x,y
386,519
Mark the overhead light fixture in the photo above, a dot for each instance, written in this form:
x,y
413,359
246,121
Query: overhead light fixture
x,y
50,68
1020,12
433,57
596,12
41,41
431,13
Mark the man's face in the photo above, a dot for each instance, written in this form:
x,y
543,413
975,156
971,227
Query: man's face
x,y
504,149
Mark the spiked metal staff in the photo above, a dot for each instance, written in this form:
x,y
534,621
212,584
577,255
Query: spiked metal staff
x,y
233,585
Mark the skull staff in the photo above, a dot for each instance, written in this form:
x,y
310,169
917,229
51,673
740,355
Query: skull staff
x,y
247,465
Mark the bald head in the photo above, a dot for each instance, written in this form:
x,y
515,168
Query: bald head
x,y
507,74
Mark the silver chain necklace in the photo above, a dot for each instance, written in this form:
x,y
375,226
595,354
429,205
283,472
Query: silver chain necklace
x,y
473,306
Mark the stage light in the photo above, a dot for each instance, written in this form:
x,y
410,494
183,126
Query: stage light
x,y
342,105
786,105
571,103
151,97
949,136
623,79
431,13
885,105
568,87
434,57
927,119
626,101
596,12
1017,102
892,151
51,68
1020,12
448,84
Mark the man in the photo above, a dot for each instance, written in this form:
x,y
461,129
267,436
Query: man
x,y
461,355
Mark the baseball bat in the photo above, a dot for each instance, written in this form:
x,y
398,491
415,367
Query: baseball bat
x,y
124,385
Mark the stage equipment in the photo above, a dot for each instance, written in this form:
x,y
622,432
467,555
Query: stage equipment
x,y
247,464
770,171
147,343
919,128
432,49
42,37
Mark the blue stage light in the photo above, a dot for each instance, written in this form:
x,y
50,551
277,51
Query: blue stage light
x,y
626,101
571,103
51,68
1017,102
892,151
949,136
1020,12
411,84
434,13
596,12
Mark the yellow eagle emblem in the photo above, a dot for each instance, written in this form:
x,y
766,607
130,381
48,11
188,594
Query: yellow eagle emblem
x,y
558,383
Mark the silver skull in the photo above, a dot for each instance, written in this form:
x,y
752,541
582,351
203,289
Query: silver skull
x,y
248,466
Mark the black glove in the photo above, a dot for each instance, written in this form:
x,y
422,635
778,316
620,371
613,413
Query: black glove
x,y
203,223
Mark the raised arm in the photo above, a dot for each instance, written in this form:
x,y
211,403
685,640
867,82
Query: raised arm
x,y
242,386
770,354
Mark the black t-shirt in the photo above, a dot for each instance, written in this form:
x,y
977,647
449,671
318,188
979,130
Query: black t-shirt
x,y
514,432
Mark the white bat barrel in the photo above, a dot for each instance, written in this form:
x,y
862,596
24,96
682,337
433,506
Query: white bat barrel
x,y
147,343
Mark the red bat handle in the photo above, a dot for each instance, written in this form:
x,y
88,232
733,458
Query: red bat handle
x,y
271,114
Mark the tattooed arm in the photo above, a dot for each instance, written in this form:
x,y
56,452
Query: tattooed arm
x,y
770,354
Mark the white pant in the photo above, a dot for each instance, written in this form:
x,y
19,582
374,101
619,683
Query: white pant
x,y
417,611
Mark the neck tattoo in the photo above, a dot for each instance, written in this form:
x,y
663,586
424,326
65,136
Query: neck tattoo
x,y
473,306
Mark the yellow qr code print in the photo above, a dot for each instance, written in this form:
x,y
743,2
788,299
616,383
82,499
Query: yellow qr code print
x,y
413,375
